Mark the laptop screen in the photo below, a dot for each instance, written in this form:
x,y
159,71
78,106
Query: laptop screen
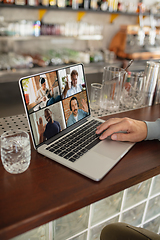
x,y
55,100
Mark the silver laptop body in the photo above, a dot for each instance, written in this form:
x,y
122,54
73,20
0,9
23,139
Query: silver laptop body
x,y
54,125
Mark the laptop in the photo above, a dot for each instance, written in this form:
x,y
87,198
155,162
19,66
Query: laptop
x,y
61,125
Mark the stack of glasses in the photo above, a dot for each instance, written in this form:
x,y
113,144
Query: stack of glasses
x,y
128,89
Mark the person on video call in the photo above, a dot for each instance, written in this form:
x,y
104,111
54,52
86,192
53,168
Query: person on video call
x,y
133,131
77,113
50,129
75,88
45,96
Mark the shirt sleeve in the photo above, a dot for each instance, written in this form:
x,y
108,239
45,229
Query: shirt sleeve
x,y
80,86
69,122
59,126
83,113
38,96
153,130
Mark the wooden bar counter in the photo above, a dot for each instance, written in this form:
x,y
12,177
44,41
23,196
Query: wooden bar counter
x,y
47,190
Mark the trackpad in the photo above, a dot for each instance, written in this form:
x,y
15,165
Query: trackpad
x,y
113,149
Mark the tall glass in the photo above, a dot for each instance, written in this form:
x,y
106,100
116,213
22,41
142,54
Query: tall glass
x,y
151,73
111,88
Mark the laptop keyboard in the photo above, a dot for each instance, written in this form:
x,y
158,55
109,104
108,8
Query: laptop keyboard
x,y
77,143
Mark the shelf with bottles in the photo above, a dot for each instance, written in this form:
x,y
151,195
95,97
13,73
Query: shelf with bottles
x,y
85,6
28,30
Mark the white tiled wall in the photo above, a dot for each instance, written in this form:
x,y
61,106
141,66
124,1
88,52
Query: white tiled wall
x,y
138,205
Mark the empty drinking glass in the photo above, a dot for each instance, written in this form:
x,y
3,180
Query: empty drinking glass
x,y
151,73
111,88
95,96
133,90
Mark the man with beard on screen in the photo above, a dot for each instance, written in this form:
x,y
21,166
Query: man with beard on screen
x,y
77,113
75,86
50,129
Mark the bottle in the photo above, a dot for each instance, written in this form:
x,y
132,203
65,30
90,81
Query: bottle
x,y
53,3
33,2
81,3
115,5
99,2
110,5
45,3
37,25
8,1
104,5
140,7
128,77
69,3
20,2
127,83
86,4
44,29
93,4
61,3
75,4
3,26
119,7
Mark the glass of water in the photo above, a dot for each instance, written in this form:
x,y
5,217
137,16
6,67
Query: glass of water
x,y
15,151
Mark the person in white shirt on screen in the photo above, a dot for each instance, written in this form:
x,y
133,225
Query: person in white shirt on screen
x,y
45,96
75,88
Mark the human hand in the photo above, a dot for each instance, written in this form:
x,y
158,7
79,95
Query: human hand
x,y
84,105
68,84
51,89
132,130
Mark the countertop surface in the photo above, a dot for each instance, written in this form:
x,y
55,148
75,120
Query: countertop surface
x,y
48,190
